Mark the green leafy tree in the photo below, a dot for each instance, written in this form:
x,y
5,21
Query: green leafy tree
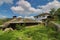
x,y
52,12
58,13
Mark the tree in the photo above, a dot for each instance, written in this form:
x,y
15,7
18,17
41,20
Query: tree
x,y
58,13
52,12
50,17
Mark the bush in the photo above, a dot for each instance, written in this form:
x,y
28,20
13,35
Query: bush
x,y
19,26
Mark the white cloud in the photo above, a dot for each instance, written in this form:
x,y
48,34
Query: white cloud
x,y
24,8
2,16
29,17
19,17
6,1
55,4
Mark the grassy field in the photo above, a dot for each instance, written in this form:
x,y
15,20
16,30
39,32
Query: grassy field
x,y
57,22
37,32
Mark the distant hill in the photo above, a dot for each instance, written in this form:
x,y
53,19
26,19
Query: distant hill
x,y
4,20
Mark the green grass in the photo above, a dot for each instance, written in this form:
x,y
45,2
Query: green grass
x,y
37,32
57,22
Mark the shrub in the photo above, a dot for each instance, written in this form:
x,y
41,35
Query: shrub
x,y
19,26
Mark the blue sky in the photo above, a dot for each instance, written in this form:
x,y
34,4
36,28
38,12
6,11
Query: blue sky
x,y
9,8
